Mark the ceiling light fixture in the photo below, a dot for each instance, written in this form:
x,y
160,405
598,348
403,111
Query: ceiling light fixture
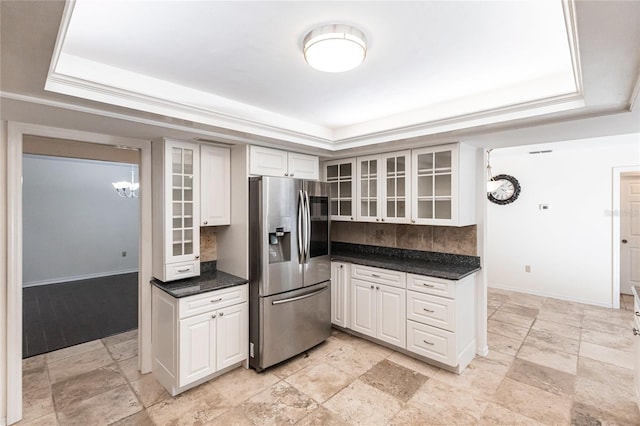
x,y
335,48
127,189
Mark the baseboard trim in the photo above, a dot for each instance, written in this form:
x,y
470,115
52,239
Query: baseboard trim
x,y
78,277
550,295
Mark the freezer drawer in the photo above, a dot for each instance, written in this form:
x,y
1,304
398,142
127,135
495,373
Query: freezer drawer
x,y
291,323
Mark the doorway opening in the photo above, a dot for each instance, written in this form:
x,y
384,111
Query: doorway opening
x,y
12,344
80,244
626,234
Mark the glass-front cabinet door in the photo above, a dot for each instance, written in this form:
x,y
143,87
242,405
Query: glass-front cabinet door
x,y
396,184
434,185
341,176
368,189
183,237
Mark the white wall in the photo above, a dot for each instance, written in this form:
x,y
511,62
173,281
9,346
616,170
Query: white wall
x,y
569,246
74,224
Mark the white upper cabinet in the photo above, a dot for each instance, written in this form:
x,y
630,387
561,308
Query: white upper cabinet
x,y
275,162
215,186
303,166
176,209
341,175
443,182
383,187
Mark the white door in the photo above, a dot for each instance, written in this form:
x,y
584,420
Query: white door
x,y
363,302
629,233
232,335
303,166
339,294
267,161
197,357
215,186
392,315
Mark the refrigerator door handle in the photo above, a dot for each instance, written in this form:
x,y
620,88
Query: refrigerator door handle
x,y
307,247
301,228
304,296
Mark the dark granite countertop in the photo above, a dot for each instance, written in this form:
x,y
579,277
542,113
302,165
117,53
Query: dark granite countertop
x,y
210,279
432,264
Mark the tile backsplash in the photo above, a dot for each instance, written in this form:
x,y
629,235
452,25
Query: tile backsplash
x,y
208,244
442,239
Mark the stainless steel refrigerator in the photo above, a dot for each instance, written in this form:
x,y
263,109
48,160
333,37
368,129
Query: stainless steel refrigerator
x,y
289,268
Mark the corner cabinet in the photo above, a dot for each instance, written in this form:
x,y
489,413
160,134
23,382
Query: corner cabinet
x,y
215,185
275,162
341,176
176,205
198,337
443,185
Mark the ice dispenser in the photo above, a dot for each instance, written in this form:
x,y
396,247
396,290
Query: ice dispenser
x,y
280,245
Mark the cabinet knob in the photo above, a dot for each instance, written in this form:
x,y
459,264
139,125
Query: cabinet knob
x,y
636,332
377,220
213,316
197,257
371,286
377,288
221,313
291,174
624,241
205,222
286,174
342,266
352,218
637,314
413,221
382,219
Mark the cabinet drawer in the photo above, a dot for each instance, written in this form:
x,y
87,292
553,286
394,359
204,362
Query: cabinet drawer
x,y
380,276
211,301
431,285
431,310
433,343
177,271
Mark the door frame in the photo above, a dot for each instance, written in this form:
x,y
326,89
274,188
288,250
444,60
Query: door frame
x,y
615,241
13,349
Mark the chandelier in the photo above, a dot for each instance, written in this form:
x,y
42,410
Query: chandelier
x,y
127,189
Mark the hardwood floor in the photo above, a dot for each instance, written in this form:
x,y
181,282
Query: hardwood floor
x,y
59,315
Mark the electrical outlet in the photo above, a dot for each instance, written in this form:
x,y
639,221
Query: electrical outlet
x,y
527,268
124,254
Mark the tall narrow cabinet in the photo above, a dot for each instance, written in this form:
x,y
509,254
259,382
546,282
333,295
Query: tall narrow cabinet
x,y
176,206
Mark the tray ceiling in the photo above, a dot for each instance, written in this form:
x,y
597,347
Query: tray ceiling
x,y
430,66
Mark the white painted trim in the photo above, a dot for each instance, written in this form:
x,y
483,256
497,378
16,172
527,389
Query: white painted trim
x,y
78,277
615,228
3,274
550,295
14,274
13,348
482,345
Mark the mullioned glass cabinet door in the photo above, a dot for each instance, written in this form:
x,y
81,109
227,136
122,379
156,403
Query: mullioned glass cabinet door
x,y
341,176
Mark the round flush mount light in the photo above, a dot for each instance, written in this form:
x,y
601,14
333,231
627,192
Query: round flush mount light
x,y
335,48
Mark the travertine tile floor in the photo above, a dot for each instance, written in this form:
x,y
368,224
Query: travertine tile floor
x,y
550,362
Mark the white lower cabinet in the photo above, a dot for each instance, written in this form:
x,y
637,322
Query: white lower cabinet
x,y
379,310
340,293
441,319
429,317
197,338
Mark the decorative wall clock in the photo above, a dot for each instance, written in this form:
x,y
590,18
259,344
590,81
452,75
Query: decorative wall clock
x,y
507,192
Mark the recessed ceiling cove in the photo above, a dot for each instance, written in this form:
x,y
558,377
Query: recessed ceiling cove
x,y
430,66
